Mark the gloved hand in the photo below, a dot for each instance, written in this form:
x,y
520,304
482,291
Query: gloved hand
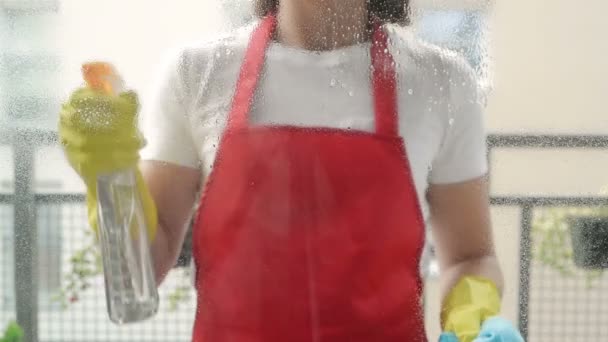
x,y
495,329
99,134
469,313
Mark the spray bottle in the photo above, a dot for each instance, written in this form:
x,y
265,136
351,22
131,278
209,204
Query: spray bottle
x,y
131,293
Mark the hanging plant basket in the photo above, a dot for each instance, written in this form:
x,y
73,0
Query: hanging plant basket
x,y
589,236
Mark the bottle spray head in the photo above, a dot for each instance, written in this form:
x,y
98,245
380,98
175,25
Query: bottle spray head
x,y
102,76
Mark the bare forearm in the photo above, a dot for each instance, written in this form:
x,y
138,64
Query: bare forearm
x,y
485,266
164,254
173,189
462,231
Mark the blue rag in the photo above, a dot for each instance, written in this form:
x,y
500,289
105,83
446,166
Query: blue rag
x,y
495,329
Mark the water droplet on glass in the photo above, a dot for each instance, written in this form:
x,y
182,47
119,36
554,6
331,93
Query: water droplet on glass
x,y
451,121
333,82
228,52
410,91
351,93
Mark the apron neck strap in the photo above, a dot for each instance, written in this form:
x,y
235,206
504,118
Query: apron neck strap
x,y
384,83
383,77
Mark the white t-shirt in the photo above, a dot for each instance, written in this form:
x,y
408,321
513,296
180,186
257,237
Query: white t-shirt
x,y
440,115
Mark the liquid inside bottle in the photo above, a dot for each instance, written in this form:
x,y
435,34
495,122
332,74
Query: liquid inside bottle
x,y
131,292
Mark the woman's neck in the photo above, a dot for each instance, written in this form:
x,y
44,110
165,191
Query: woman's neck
x,y
322,24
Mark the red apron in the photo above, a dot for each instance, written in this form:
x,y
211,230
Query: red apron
x,y
309,234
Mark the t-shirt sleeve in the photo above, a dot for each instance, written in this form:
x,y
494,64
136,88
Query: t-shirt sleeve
x,y
462,154
164,119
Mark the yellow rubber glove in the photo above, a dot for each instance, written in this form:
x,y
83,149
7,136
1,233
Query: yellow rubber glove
x,y
470,303
99,134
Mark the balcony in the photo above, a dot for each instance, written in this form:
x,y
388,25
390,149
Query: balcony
x,y
41,231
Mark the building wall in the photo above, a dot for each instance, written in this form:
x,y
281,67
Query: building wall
x,y
550,66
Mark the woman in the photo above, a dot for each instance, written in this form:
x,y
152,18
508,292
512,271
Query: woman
x,y
325,136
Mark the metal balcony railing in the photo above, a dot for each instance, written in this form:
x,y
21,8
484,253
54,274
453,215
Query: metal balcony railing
x,y
551,308
579,314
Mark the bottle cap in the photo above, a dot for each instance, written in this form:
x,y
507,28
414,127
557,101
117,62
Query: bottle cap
x,y
102,76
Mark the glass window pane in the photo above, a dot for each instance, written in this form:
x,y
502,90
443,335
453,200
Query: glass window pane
x,y
512,89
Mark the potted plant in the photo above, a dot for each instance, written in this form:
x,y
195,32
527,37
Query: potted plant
x,y
589,237
572,240
13,333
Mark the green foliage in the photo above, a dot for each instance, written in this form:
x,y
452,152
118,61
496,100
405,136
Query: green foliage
x,y
552,244
13,333
86,265
181,292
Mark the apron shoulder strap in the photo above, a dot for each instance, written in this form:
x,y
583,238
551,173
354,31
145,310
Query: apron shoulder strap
x,y
251,69
384,83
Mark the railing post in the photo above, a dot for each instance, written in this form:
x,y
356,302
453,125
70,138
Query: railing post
x,y
26,242
524,269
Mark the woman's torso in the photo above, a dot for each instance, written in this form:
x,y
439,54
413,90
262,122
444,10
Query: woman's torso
x,y
332,89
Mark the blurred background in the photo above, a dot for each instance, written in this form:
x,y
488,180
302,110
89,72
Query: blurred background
x,y
543,73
